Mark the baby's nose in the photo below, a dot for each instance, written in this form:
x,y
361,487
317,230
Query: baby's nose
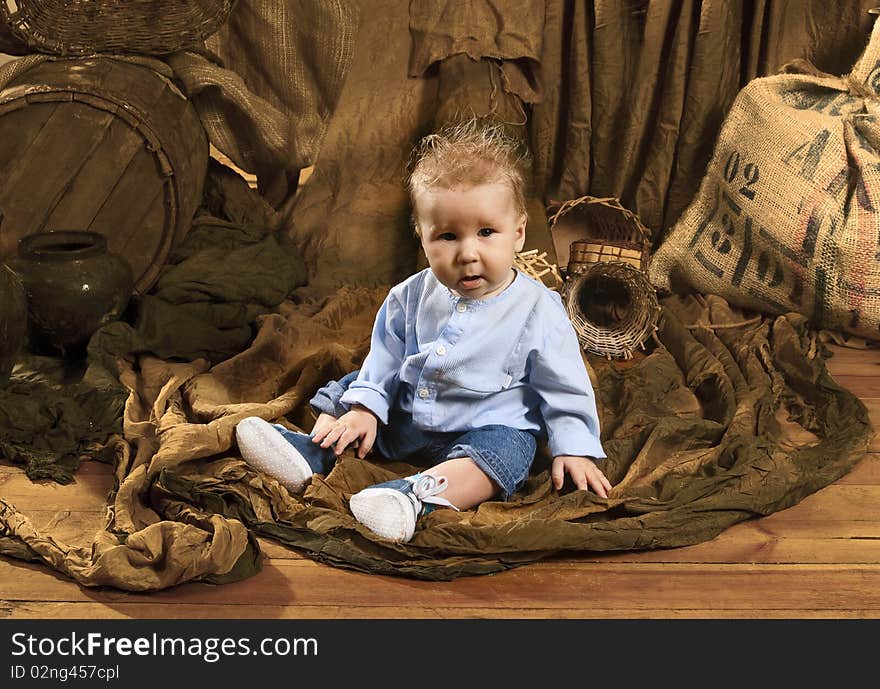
x,y
467,251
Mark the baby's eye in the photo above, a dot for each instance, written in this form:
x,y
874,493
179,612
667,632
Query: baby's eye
x,y
485,231
446,237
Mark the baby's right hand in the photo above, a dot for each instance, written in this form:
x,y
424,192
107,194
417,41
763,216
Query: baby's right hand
x,y
357,424
323,423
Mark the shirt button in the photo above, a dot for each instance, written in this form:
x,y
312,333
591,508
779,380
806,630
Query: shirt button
x,y
461,308
423,393
441,350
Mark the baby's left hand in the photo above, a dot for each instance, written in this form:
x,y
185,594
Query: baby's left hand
x,y
359,423
583,472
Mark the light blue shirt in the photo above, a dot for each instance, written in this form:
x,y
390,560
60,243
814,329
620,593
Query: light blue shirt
x,y
456,364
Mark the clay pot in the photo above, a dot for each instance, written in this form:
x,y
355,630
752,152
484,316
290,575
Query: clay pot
x,y
74,285
13,320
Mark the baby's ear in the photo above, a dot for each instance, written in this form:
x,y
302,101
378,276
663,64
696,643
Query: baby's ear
x,y
521,232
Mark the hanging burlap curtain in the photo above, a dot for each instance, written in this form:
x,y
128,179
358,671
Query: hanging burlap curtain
x,y
294,57
619,99
623,99
352,218
635,92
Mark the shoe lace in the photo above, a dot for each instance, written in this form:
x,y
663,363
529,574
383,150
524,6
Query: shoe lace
x,y
427,489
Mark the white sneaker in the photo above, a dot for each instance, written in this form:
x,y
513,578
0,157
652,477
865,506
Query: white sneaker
x,y
391,509
264,447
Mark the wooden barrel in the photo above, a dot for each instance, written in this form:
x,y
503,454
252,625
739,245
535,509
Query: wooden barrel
x,y
103,145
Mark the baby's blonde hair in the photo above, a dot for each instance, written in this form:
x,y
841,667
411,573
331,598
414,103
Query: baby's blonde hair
x,y
468,153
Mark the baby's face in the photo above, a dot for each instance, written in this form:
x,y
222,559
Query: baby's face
x,y
470,236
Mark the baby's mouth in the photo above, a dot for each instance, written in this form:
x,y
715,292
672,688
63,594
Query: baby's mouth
x,y
470,281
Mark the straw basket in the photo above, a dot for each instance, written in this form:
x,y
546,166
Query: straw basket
x,y
610,301
536,265
84,27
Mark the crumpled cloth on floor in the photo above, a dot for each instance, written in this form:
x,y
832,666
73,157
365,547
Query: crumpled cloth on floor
x,y
231,268
725,418
718,423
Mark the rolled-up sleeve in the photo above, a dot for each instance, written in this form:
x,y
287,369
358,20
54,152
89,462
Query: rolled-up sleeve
x,y
568,404
376,385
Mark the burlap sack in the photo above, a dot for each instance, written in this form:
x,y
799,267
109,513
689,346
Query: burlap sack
x,y
786,217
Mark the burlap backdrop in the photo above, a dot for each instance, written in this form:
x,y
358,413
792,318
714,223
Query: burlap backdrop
x,y
264,84
786,218
618,99
623,99
635,92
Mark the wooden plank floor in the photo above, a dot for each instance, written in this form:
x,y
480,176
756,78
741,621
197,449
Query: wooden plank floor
x,y
818,559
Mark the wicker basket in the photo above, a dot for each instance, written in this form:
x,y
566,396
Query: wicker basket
x,y
536,266
610,301
600,229
84,27
613,308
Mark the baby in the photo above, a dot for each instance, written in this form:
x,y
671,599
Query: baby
x,y
470,361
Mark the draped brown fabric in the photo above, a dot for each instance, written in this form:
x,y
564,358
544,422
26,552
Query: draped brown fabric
x,y
725,419
352,217
619,99
637,91
293,56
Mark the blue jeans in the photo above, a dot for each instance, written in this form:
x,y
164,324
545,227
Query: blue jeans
x,y
505,454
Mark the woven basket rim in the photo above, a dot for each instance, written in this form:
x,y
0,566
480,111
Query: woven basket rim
x,y
636,236
617,342
610,201
83,27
